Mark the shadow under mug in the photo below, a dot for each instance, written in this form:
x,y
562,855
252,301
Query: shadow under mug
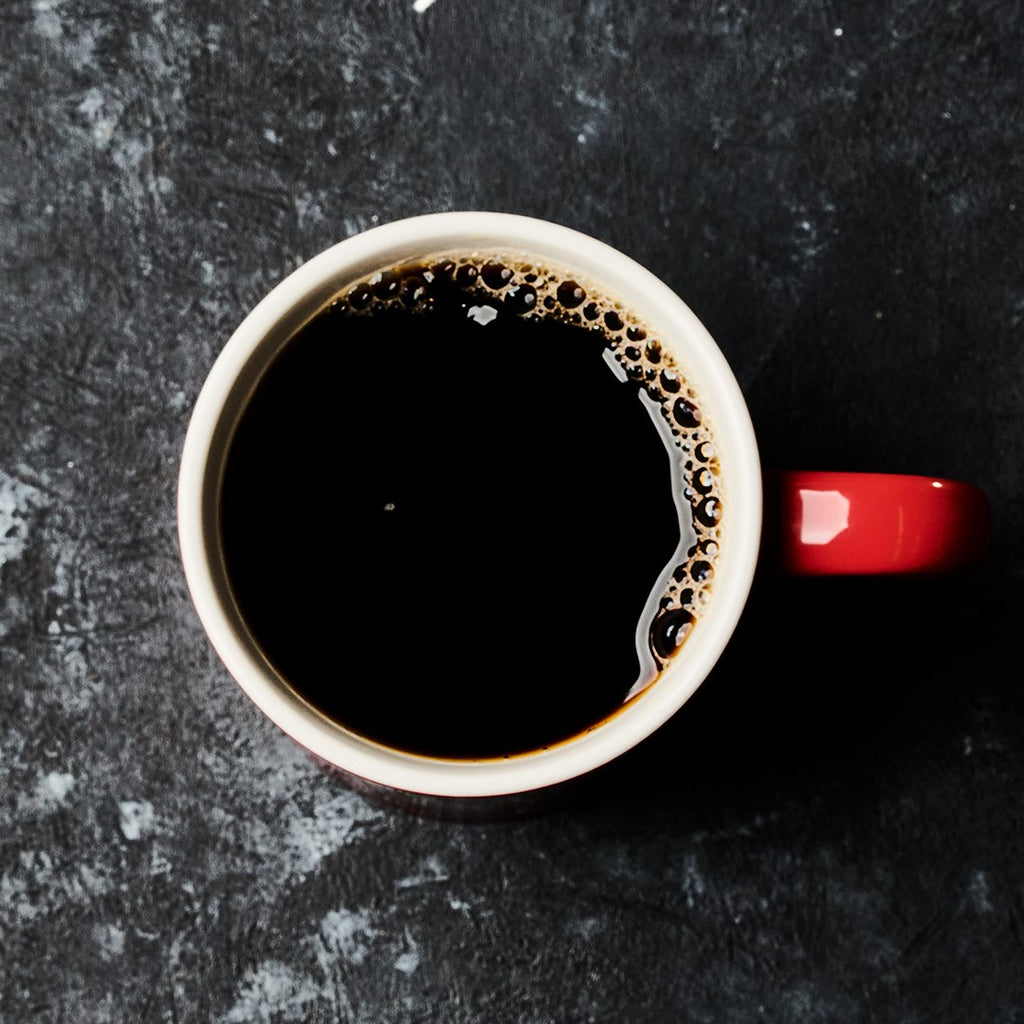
x,y
814,522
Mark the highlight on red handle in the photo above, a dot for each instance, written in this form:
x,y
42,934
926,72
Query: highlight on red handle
x,y
833,524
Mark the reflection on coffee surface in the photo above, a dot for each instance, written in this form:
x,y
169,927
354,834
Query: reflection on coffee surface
x,y
471,508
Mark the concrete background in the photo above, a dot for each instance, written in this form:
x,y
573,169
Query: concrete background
x,y
833,829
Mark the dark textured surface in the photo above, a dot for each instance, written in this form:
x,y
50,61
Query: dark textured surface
x,y
832,830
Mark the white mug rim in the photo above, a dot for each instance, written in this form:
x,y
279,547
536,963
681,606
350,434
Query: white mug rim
x,y
704,364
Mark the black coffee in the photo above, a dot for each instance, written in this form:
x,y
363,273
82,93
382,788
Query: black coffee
x,y
470,509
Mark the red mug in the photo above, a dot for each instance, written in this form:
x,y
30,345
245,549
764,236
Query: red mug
x,y
828,523
815,522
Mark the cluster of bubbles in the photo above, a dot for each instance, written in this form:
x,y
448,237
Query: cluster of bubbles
x,y
486,286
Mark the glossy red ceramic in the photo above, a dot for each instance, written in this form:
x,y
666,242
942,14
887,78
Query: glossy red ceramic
x,y
821,523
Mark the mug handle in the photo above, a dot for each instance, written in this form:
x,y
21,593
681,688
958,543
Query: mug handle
x,y
836,524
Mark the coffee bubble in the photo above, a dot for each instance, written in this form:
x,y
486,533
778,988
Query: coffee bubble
x,y
701,571
670,630
709,511
570,294
466,275
521,298
686,413
495,275
702,480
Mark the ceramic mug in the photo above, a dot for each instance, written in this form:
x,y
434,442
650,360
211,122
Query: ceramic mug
x,y
816,523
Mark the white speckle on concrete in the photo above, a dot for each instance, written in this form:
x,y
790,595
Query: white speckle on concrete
x,y
947,115
837,32
800,1003
131,157
419,6
587,927
78,688
587,99
597,107
137,819
978,893
36,859
272,137
94,881
93,108
46,18
214,35
52,788
17,501
308,209
315,818
345,940
347,934
158,863
408,960
808,243
272,992
693,881
34,887
333,824
109,940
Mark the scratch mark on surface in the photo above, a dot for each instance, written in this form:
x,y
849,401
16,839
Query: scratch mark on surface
x,y
432,872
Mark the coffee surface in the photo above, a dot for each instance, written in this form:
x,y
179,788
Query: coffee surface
x,y
469,508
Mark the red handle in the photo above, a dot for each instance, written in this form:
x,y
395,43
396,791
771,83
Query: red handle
x,y
829,524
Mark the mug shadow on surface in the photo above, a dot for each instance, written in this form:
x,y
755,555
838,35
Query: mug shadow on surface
x,y
828,682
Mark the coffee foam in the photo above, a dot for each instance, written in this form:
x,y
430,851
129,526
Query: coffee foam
x,y
493,283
